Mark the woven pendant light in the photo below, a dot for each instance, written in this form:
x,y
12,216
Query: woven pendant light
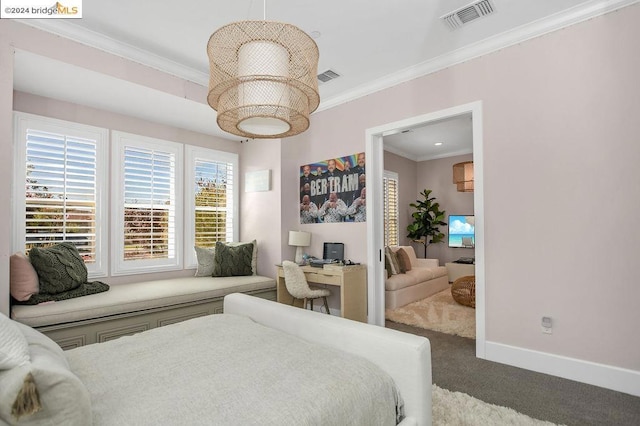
x,y
463,176
263,78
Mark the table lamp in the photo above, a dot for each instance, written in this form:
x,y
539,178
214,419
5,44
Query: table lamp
x,y
299,239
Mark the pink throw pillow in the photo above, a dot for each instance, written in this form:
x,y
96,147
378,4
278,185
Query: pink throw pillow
x,y
403,257
23,278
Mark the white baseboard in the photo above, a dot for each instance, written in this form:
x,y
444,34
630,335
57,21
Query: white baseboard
x,y
606,376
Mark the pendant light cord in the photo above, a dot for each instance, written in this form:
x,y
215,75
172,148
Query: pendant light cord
x,y
264,12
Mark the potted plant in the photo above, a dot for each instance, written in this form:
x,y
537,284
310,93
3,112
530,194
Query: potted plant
x,y
427,220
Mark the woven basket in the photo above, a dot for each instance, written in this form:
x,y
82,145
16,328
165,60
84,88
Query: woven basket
x,y
463,290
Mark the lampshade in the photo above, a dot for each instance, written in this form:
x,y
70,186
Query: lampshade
x,y
263,78
463,176
299,239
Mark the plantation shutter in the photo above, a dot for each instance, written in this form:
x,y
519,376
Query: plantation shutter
x,y
214,219
60,191
390,185
149,204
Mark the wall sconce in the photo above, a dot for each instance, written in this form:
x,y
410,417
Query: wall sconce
x,y
299,239
463,176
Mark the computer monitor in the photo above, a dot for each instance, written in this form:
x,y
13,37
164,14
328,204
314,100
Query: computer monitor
x,y
333,251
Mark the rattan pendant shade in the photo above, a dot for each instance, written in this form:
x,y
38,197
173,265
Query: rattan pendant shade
x,y
263,78
463,176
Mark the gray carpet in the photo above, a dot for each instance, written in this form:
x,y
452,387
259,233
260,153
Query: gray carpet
x,y
541,396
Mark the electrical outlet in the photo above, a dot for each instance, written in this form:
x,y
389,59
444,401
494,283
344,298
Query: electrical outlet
x,y
547,325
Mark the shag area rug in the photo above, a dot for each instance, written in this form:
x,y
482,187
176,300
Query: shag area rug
x,y
459,409
438,313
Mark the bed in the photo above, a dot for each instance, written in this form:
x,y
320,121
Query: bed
x,y
259,363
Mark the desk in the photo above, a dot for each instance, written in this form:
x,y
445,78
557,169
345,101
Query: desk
x,y
352,281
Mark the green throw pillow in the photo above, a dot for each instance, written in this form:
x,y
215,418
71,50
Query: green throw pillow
x,y
232,260
60,267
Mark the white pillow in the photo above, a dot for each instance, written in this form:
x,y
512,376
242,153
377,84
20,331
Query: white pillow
x,y
205,261
62,399
14,349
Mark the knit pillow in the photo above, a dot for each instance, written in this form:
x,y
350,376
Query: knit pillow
x,y
23,278
232,260
254,255
60,267
403,260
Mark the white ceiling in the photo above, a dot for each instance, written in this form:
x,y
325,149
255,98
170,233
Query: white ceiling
x,y
372,44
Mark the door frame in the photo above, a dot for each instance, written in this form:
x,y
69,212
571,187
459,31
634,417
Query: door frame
x,y
374,152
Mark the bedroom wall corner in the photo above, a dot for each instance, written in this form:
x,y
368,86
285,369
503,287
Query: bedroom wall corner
x,y
260,212
6,161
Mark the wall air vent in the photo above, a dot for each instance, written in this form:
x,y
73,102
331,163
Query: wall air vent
x,y
328,75
466,14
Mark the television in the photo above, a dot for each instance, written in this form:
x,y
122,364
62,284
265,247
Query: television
x,y
462,231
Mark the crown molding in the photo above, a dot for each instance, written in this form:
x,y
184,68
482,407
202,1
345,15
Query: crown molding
x,y
538,28
412,157
552,23
63,28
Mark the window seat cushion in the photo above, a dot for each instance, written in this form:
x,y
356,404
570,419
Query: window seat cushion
x,y
134,297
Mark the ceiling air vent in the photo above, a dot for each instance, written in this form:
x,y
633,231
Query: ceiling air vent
x,y
466,14
328,75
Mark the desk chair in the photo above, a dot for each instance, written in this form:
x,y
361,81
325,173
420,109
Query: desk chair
x,y
298,287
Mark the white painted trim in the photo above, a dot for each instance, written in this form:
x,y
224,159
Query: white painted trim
x,y
375,239
191,155
580,13
401,153
477,127
102,42
606,376
119,142
375,231
22,122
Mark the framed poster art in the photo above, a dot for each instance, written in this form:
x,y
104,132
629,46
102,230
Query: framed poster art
x,y
333,190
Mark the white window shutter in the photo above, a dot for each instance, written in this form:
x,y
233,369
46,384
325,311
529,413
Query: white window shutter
x,y
390,200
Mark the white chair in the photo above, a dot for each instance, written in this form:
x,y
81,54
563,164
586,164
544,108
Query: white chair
x,y
298,287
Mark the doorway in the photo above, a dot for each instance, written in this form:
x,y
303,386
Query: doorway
x,y
375,247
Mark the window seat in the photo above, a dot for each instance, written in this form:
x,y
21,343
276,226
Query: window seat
x,y
131,308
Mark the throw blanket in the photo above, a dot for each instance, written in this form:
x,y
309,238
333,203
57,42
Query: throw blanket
x,y
227,370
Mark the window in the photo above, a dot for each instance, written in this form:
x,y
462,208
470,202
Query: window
x,y
390,185
147,211
58,193
61,196
211,201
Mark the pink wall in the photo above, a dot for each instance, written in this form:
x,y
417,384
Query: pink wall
x,y
260,211
437,175
560,153
407,190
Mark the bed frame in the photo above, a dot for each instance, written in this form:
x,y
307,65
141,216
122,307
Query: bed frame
x,y
405,357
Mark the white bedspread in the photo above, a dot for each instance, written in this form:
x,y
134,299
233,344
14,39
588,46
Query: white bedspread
x,y
228,370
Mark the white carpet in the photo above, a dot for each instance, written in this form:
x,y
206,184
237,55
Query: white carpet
x,y
459,409
439,313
